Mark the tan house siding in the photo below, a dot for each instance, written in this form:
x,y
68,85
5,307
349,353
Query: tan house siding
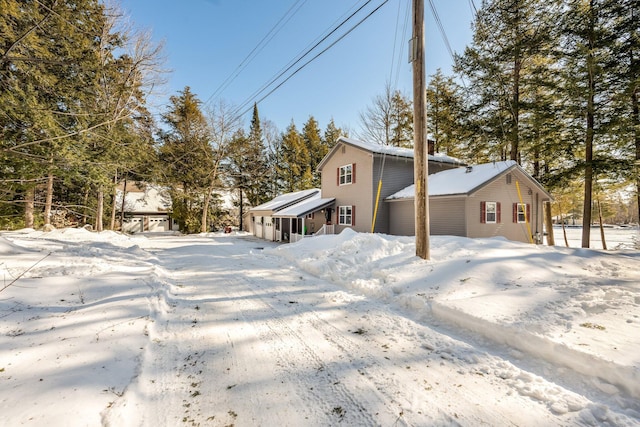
x,y
447,216
357,194
403,213
500,190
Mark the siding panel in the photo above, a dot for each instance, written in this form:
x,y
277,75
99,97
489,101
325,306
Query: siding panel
x,y
447,217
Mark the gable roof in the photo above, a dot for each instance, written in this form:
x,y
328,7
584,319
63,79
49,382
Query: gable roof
x,y
465,181
388,150
285,200
149,199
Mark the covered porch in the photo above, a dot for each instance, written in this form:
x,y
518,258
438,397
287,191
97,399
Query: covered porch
x,y
307,218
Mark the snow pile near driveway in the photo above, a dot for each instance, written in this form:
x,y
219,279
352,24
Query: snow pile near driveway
x,y
576,308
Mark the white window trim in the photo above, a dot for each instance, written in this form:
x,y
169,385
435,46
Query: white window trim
x,y
521,211
495,212
345,215
344,174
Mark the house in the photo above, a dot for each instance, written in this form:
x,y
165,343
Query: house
x,y
369,188
353,173
487,200
147,208
289,215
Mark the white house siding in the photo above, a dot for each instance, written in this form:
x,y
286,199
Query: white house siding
x,y
396,175
258,229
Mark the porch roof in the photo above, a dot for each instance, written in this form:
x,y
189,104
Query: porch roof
x,y
284,201
305,207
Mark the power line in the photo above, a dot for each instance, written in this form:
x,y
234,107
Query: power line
x,y
251,99
297,59
258,48
436,17
400,43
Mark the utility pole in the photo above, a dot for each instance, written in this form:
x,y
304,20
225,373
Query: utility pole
x,y
420,144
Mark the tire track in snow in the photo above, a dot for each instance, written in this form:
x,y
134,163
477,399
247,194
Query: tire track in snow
x,y
329,395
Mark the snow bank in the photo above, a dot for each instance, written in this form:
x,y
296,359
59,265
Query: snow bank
x,y
576,308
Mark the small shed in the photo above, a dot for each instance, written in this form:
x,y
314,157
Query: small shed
x,y
486,200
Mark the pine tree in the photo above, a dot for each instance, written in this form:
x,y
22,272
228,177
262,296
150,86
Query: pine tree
x,y
316,147
444,116
331,134
294,169
508,37
588,93
185,156
624,63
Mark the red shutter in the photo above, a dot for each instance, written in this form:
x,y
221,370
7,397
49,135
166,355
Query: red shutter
x,y
353,173
498,213
353,216
515,212
338,177
483,212
528,212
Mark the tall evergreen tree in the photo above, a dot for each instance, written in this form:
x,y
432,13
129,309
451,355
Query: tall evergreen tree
x,y
294,168
625,67
588,94
316,147
59,75
255,159
508,37
444,114
331,134
185,156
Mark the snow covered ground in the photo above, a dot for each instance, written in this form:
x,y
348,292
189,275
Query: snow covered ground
x,y
353,329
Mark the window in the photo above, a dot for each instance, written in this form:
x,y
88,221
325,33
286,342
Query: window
x,y
347,174
346,215
521,212
490,212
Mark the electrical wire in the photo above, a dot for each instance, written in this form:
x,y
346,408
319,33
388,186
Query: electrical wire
x,y
436,17
243,110
258,48
298,58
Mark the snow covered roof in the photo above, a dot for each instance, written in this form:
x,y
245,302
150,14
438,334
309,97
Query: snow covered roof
x,y
394,151
305,207
465,180
151,199
285,200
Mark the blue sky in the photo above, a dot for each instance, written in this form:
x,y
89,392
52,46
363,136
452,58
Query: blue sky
x,y
206,41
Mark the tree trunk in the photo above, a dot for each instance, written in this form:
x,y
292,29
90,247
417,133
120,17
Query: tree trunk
x,y
588,172
29,202
205,211
49,199
548,223
100,210
604,243
114,196
241,213
85,216
124,196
